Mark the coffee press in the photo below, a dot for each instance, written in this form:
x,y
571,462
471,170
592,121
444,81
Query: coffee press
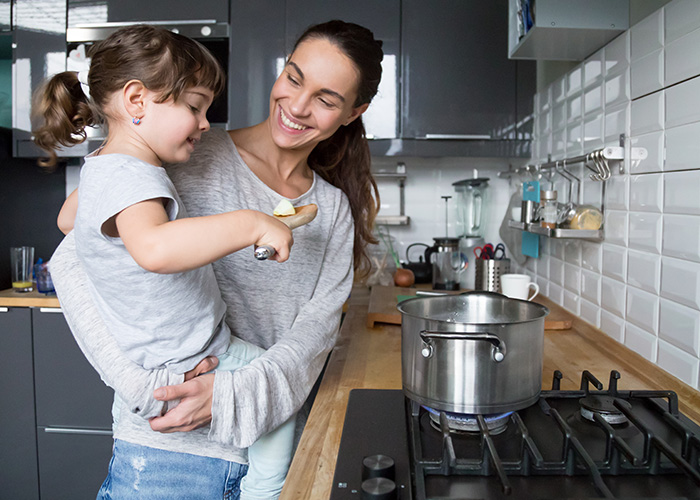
x,y
447,260
472,201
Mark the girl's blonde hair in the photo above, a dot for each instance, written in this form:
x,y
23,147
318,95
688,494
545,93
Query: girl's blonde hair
x,y
165,62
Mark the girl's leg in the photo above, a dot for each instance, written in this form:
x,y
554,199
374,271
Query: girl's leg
x,y
143,473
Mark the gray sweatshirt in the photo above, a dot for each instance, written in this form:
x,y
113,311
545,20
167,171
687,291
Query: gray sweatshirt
x,y
292,309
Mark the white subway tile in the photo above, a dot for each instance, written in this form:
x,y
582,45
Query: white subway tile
x,y
572,252
573,80
559,142
590,286
571,302
617,54
682,192
616,192
647,35
593,132
591,255
612,296
645,231
572,278
680,281
641,342
593,100
590,313
646,193
544,124
593,69
556,294
543,265
682,237
644,270
574,140
681,58
682,147
616,121
574,107
682,103
556,271
678,363
654,144
544,286
647,74
680,18
614,262
617,89
613,326
558,90
544,147
559,116
591,192
557,248
616,227
643,309
647,114
544,99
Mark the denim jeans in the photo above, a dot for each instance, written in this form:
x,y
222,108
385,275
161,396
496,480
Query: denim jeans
x,y
143,473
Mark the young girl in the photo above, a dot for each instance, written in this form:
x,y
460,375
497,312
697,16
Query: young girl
x,y
147,262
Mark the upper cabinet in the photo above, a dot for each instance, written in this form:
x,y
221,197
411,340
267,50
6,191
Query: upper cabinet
x,y
565,30
5,15
124,11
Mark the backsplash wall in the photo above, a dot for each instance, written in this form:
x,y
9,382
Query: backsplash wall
x,y
641,285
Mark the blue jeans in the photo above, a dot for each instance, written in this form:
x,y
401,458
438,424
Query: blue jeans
x,y
143,473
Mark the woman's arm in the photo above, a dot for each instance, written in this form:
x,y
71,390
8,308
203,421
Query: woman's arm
x,y
259,397
66,217
133,384
163,246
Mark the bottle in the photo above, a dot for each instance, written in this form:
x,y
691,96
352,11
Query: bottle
x,y
549,209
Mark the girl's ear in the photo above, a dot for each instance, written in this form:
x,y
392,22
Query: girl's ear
x,y
134,98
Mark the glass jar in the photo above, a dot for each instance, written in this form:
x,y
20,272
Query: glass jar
x,y
548,201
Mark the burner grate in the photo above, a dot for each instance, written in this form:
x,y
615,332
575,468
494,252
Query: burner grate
x,y
634,443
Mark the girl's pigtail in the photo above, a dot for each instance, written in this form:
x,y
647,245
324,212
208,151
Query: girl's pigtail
x,y
63,111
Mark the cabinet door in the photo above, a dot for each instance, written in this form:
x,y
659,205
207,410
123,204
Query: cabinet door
x,y
18,460
457,78
72,466
384,20
69,392
118,11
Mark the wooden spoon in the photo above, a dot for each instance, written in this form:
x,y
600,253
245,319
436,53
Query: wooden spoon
x,y
302,215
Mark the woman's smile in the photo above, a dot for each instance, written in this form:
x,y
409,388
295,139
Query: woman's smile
x,y
289,123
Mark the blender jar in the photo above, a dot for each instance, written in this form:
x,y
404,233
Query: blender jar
x,y
471,205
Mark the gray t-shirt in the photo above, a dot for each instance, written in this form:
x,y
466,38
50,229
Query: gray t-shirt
x,y
292,308
159,320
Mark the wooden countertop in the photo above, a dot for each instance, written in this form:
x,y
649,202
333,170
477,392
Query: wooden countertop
x,y
370,358
10,298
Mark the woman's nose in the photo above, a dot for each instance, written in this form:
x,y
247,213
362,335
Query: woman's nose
x,y
299,104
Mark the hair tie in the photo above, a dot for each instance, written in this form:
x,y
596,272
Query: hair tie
x,y
83,79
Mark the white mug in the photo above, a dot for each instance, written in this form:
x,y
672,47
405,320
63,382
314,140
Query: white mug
x,y
517,286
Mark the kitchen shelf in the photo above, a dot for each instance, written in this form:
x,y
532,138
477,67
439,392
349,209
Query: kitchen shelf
x,y
582,234
395,220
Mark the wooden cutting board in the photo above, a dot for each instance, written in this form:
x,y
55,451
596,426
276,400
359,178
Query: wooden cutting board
x,y
383,301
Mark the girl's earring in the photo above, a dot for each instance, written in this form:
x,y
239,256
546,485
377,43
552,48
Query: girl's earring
x,y
135,120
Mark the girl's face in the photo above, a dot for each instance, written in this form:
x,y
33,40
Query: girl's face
x,y
314,96
172,128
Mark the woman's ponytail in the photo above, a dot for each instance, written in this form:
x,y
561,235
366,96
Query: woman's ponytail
x,y
63,111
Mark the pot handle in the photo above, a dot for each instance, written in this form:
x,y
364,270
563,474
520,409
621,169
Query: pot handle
x,y
498,352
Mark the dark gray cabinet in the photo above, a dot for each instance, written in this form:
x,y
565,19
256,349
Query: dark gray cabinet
x,y
120,11
57,439
18,455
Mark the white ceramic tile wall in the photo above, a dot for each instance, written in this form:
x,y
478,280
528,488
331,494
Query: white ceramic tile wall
x,y
641,285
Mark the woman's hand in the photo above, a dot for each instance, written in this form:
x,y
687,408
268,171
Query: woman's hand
x,y
195,395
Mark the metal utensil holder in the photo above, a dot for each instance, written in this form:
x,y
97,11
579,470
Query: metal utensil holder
x,y
487,274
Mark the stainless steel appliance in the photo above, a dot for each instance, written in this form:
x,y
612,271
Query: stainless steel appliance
x,y
590,443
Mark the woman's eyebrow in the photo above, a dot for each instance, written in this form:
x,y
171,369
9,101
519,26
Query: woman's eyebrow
x,y
324,90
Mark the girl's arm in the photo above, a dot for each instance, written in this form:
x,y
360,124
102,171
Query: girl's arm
x,y
66,217
163,246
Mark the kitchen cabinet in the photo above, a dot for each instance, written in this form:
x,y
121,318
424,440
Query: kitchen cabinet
x,y
73,412
18,455
121,11
5,15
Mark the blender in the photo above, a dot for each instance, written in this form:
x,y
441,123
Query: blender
x,y
448,263
471,202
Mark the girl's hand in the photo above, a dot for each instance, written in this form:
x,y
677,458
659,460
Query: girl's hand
x,y
277,235
194,409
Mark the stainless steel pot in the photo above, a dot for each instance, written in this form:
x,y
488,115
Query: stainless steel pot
x,y
476,353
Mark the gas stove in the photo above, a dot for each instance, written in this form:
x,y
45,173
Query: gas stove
x,y
586,444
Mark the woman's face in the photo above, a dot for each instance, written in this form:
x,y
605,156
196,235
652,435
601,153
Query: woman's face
x,y
314,96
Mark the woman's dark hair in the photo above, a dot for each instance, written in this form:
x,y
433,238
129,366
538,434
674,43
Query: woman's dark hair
x,y
165,62
344,159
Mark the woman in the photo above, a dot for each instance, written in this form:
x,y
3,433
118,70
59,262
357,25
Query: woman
x,y
311,149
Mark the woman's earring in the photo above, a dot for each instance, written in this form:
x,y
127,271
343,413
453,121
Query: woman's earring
x,y
135,120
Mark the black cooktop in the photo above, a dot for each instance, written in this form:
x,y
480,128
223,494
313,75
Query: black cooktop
x,y
590,443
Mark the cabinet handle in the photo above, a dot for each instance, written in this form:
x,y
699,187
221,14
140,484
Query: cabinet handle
x,y
68,430
4,310
50,310
452,137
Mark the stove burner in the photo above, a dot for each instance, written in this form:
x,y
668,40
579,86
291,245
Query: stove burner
x,y
603,406
460,422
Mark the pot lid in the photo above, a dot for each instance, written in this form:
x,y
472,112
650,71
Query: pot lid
x,y
472,182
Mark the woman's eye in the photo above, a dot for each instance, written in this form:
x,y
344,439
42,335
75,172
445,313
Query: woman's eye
x,y
326,103
292,80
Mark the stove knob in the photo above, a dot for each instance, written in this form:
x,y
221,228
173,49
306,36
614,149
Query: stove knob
x,y
379,488
378,466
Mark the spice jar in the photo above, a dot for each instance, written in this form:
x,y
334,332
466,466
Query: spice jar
x,y
548,200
